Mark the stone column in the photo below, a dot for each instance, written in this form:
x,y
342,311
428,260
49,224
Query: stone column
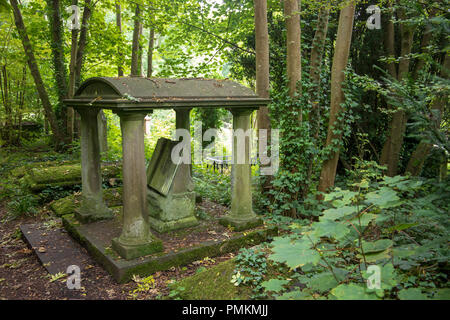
x,y
92,206
241,216
136,239
183,183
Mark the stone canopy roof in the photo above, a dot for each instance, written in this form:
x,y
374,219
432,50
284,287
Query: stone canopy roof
x,y
139,93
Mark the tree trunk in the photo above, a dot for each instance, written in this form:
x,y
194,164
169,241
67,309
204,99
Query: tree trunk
x,y
34,70
390,154
4,89
294,65
87,12
422,151
135,65
119,49
262,74
340,60
318,45
71,88
151,46
57,46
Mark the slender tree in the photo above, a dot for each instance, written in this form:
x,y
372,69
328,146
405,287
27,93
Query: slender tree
x,y
135,50
340,60
293,34
262,70
119,30
151,46
423,149
34,70
390,154
71,88
59,65
82,41
318,45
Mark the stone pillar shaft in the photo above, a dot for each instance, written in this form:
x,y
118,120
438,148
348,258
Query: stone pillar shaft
x,y
241,216
184,182
92,205
136,239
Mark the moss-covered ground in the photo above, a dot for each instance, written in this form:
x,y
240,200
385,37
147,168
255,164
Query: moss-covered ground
x,y
211,284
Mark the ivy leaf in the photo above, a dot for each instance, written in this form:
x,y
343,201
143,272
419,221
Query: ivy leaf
x,y
352,291
411,294
274,285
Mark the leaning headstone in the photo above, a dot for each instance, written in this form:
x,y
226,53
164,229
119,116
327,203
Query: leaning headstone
x,y
170,194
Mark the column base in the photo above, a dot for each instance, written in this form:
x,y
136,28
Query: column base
x,y
176,211
130,251
165,226
93,212
239,224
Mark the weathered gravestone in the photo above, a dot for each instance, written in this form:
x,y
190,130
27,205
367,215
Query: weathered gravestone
x,y
170,194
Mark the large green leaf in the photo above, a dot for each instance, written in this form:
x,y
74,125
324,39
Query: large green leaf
x,y
365,219
322,282
337,213
411,294
376,246
274,285
295,295
442,294
383,198
330,229
352,291
294,254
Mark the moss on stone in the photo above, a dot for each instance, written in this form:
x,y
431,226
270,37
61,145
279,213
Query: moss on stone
x,y
19,172
67,205
211,284
39,178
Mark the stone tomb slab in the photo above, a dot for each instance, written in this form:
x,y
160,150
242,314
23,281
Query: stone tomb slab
x,y
208,239
55,249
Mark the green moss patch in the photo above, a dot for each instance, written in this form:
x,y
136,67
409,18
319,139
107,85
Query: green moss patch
x,y
21,171
211,284
64,175
67,205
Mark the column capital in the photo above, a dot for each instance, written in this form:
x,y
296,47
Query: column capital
x,y
132,115
188,109
89,111
241,111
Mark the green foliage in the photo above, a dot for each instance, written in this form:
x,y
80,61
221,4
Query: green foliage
x,y
23,205
398,223
212,185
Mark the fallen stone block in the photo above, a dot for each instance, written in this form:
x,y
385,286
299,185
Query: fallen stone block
x,y
40,178
67,205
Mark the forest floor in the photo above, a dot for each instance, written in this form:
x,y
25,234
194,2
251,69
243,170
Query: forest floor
x,y
22,276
